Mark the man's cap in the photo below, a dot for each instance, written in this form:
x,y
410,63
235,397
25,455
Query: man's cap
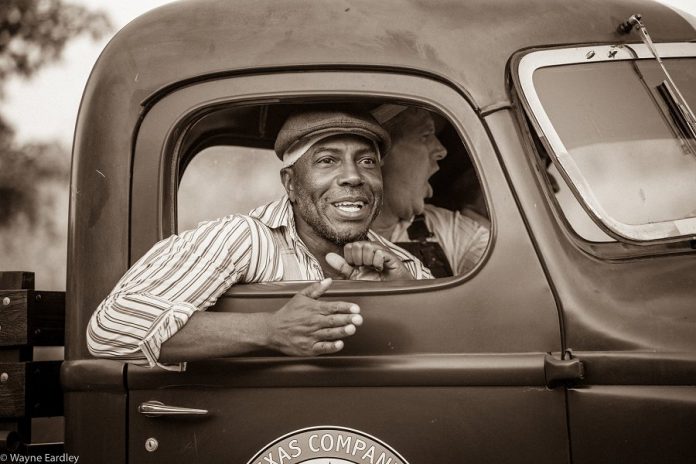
x,y
315,123
387,112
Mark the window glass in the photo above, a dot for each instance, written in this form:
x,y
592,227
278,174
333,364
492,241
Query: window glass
x,y
620,147
579,220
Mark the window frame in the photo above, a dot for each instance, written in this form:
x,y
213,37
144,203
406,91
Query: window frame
x,y
157,150
523,67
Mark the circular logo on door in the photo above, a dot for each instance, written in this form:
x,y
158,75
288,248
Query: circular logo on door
x,y
327,445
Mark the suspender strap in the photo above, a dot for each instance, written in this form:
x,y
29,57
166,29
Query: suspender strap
x,y
429,252
418,230
291,268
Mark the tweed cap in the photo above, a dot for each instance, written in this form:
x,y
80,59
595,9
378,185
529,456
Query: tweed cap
x,y
306,124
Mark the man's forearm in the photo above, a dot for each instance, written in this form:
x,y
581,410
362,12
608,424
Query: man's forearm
x,y
304,326
216,334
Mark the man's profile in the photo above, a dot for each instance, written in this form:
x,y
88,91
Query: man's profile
x,y
447,241
332,177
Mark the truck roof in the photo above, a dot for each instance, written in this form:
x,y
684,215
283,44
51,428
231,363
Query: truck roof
x,y
466,42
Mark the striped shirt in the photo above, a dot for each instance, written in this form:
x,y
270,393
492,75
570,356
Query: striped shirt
x,y
188,272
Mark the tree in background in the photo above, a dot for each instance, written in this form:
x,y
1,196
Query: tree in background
x,y
34,32
34,177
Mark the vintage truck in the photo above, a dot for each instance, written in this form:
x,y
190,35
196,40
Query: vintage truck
x,y
573,340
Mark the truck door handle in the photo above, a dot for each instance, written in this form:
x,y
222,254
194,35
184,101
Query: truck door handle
x,y
157,409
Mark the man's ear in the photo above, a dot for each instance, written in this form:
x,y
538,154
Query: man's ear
x,y
287,178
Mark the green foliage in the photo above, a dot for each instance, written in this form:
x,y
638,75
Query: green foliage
x,y
24,171
34,32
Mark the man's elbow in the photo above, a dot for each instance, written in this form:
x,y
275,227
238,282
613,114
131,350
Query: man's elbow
x,y
109,340
99,344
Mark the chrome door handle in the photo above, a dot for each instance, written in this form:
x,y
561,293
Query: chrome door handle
x,y
157,409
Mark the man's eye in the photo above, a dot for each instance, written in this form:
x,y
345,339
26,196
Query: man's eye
x,y
325,160
368,161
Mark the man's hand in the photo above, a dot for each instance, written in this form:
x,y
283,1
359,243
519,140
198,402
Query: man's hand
x,y
368,261
305,326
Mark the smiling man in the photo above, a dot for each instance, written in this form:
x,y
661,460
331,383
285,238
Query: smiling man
x,y
332,176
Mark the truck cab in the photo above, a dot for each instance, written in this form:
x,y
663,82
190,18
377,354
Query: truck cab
x,y
571,340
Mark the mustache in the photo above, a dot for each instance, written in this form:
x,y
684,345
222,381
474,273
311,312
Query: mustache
x,y
354,192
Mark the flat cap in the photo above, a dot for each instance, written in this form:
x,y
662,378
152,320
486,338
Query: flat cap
x,y
305,124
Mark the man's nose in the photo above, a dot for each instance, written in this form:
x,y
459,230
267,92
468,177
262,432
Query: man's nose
x,y
439,151
350,175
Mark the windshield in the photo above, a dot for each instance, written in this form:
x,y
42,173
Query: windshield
x,y
618,146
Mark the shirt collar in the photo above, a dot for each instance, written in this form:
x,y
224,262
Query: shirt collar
x,y
275,214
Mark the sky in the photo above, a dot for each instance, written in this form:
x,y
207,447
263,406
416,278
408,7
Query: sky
x,y
45,107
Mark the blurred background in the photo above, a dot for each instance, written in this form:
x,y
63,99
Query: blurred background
x,y
47,49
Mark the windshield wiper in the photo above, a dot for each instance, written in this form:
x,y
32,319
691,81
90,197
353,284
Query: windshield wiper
x,y
679,109
681,115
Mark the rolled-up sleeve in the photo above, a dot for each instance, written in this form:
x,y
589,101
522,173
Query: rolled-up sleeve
x,y
157,296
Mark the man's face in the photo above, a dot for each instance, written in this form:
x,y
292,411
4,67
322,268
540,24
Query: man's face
x,y
411,162
336,189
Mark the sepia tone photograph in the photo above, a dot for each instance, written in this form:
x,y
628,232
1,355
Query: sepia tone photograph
x,y
347,231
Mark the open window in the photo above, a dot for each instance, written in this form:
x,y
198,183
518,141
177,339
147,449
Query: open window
x,y
449,315
621,165
226,165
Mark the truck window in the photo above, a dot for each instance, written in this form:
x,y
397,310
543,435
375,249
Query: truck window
x,y
239,171
617,150
224,180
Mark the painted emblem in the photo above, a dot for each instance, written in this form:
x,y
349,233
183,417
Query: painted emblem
x,y
327,445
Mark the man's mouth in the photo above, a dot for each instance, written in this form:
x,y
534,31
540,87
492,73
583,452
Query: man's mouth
x,y
350,206
429,187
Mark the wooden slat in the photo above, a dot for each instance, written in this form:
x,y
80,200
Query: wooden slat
x,y
13,317
43,391
9,439
30,390
29,317
12,390
16,280
46,320
16,354
9,425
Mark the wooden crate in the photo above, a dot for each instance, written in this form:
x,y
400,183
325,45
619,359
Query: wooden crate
x,y
28,388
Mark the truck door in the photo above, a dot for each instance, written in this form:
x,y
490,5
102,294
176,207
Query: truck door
x,y
450,370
